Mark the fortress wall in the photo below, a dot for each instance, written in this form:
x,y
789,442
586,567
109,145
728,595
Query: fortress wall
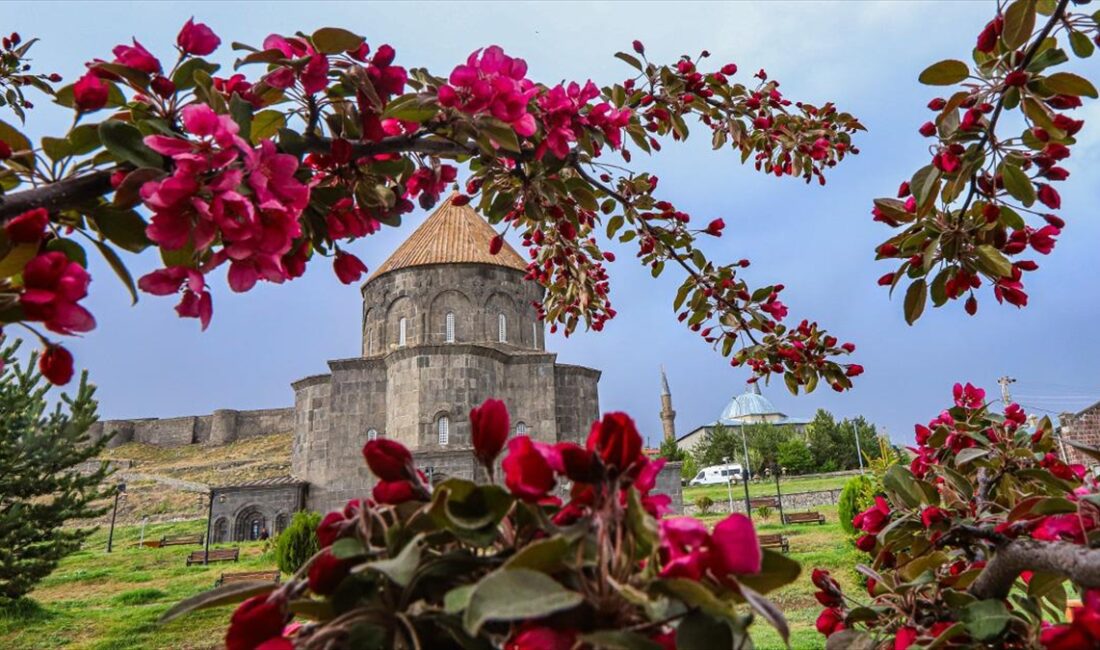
x,y
222,427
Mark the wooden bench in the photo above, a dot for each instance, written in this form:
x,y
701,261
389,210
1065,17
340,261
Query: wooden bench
x,y
181,540
764,502
217,555
774,541
248,576
812,517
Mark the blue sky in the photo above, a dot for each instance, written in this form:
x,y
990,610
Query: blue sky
x,y
865,56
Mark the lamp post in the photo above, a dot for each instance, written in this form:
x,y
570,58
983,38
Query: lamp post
x,y
120,490
745,472
210,523
778,493
859,452
729,483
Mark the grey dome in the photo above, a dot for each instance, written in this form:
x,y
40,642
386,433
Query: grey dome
x,y
748,406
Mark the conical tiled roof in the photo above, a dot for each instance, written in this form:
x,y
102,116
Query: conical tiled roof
x,y
453,234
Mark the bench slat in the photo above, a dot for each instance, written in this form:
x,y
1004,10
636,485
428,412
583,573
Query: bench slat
x,y
217,555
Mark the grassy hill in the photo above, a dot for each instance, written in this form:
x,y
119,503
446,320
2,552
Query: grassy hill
x,y
101,601
165,500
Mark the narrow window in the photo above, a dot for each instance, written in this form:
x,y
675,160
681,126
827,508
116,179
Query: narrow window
x,y
372,434
534,335
449,323
521,429
370,342
502,328
402,325
444,425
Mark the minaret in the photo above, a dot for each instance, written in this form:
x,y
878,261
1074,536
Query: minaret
x,y
668,416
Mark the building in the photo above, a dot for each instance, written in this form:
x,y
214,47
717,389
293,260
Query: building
x,y
748,408
445,325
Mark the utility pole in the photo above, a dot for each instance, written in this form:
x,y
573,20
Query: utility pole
x,y
1006,397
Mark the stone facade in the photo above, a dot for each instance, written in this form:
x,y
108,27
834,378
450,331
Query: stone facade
x,y
470,332
1082,427
240,512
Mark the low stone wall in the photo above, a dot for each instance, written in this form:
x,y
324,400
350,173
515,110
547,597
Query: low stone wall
x,y
221,427
791,502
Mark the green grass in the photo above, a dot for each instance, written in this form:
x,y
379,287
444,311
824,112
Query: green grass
x,y
766,488
101,601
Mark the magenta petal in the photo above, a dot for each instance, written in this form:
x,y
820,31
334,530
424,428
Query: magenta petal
x,y
735,547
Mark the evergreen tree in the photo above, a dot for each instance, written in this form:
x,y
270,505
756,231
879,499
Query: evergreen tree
x,y
722,443
41,486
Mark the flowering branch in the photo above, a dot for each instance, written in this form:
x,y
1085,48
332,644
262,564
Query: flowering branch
x,y
1078,563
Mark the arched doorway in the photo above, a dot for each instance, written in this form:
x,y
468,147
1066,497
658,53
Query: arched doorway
x,y
280,522
221,531
250,522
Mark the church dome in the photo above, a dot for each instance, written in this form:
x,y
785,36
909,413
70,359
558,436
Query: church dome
x,y
453,234
749,406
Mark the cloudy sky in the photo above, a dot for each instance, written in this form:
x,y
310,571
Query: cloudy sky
x,y
865,56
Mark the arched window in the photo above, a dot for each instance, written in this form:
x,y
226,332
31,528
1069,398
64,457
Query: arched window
x,y
372,434
502,328
449,326
402,331
521,429
370,342
534,335
444,429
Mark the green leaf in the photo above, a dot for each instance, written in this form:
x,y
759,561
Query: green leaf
x,y
698,631
56,148
333,40
970,453
127,194
400,568
776,570
515,595
266,124
456,600
1012,219
124,228
1081,44
241,112
116,264
411,108
767,609
184,76
124,142
993,262
900,481
13,263
1017,184
1019,23
72,250
944,73
632,60
546,555
15,139
985,619
346,548
223,595
502,134
1067,83
915,298
850,640
83,139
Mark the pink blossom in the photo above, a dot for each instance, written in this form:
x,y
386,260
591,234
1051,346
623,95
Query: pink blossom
x,y
969,396
348,267
137,58
735,549
197,39
52,285
492,82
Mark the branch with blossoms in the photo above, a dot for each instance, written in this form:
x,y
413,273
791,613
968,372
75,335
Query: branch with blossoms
x,y
987,196
977,542
331,141
461,565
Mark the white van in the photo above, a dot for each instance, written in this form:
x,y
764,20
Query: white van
x,y
717,475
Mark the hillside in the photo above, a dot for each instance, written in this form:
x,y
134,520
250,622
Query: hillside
x,y
169,483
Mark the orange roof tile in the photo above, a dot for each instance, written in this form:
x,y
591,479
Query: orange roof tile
x,y
452,234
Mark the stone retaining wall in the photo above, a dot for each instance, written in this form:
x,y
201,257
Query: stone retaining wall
x,y
792,502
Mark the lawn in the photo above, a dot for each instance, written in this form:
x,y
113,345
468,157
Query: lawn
x,y
766,488
101,601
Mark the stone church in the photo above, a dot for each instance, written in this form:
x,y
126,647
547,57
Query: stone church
x,y
445,326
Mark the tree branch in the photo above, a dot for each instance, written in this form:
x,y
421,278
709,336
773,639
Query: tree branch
x,y
1078,563
59,195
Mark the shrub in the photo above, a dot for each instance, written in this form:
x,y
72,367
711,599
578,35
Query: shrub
x,y
295,545
764,512
704,504
857,495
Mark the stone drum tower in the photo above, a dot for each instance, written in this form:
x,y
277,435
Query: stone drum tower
x,y
445,326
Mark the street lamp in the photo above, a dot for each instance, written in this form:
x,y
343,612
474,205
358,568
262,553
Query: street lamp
x,y
729,481
120,491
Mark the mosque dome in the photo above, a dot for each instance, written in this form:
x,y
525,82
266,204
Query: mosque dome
x,y
750,406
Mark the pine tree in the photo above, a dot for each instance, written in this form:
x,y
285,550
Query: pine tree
x,y
41,485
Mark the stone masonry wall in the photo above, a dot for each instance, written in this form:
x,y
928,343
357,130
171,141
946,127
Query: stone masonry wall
x,y
1082,427
221,427
232,505
577,401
